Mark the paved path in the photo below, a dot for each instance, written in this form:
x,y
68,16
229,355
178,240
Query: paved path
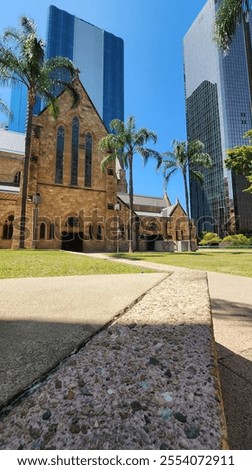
x,y
148,381
45,319
231,299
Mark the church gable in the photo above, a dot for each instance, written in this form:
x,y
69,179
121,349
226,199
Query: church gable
x,y
67,147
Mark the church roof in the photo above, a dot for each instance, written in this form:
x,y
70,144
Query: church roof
x,y
12,142
139,200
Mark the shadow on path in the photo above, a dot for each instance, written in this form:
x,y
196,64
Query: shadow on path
x,y
236,383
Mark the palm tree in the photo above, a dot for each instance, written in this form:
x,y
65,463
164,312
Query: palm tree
x,y
4,108
189,158
123,143
22,60
228,16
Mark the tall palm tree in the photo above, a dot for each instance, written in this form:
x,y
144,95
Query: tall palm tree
x,y
188,158
229,14
22,60
123,143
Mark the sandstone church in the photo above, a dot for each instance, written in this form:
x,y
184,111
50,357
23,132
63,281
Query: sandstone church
x,y
71,203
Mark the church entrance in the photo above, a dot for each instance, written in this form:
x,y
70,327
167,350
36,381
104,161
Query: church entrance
x,y
72,241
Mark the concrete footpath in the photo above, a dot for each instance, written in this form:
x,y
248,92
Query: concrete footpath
x,y
149,380
155,380
231,305
231,302
43,320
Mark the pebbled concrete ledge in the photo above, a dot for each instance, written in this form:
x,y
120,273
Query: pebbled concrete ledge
x,y
149,381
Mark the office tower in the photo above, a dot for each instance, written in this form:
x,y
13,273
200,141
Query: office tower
x,y
218,113
98,55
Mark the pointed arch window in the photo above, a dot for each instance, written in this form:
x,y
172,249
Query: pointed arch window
x,y
17,177
88,159
75,150
42,231
60,155
8,228
99,232
52,231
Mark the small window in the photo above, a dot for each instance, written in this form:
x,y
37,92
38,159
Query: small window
x,y
52,231
72,221
122,231
17,177
90,232
42,231
110,206
99,232
8,228
110,171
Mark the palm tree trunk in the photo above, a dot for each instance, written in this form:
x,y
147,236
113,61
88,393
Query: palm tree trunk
x,y
248,49
25,178
131,204
187,210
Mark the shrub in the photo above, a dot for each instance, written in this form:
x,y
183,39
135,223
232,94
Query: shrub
x,y
237,240
210,238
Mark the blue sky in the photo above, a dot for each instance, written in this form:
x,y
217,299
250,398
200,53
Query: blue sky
x,y
153,32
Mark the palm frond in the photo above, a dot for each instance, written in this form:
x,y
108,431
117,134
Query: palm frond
x,y
108,159
197,176
147,153
168,174
4,109
228,16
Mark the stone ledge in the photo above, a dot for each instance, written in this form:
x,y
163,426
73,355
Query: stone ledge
x,y
149,381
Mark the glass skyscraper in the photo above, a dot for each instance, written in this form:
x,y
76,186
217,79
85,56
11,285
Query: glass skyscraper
x,y
98,55
218,113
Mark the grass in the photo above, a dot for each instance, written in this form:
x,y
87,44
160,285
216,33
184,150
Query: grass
x,y
238,262
35,263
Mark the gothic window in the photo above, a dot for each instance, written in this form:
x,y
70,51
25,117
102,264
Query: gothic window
x,y
60,155
42,231
122,231
17,177
99,232
88,159
90,232
73,221
75,151
8,228
52,231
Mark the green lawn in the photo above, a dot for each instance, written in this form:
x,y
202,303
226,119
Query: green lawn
x,y
29,263
231,261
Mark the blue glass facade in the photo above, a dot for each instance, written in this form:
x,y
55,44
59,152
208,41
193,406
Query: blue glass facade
x,y
18,106
218,113
60,33
113,89
98,55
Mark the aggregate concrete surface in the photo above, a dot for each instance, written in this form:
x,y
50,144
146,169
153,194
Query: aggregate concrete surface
x,y
148,381
45,319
